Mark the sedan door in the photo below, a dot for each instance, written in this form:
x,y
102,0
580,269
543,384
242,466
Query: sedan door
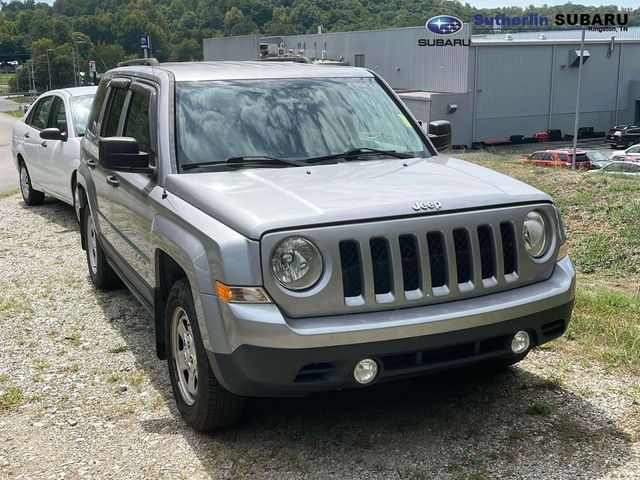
x,y
58,155
33,150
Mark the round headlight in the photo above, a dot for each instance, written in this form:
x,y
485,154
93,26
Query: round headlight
x,y
296,263
534,234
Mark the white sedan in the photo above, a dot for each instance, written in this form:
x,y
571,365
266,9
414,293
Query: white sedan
x,y
46,144
623,168
631,154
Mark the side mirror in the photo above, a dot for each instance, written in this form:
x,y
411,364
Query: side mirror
x,y
440,134
53,134
122,154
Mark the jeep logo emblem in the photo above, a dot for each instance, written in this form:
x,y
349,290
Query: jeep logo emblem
x,y
419,206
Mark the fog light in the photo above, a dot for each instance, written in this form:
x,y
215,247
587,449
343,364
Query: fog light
x,y
520,342
365,371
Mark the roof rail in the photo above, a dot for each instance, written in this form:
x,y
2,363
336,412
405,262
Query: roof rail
x,y
139,61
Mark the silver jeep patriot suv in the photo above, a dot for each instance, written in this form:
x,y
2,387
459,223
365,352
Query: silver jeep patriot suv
x,y
292,228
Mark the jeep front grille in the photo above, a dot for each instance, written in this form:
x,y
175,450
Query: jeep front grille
x,y
451,260
413,261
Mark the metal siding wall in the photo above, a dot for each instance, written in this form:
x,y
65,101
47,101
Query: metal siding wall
x,y
512,93
395,55
230,48
502,110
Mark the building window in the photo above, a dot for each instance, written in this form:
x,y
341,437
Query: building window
x,y
359,60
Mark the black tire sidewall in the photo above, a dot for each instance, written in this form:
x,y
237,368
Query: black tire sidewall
x,y
196,414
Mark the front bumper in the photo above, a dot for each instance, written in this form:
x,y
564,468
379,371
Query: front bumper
x,y
256,351
260,371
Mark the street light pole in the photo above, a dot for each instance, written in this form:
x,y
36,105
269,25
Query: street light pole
x,y
49,66
575,125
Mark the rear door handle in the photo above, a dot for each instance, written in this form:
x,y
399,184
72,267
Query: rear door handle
x,y
44,144
26,134
113,181
91,164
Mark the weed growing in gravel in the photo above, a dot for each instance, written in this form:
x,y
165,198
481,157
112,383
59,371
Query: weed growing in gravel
x,y
118,349
74,338
10,397
9,193
11,306
4,377
540,408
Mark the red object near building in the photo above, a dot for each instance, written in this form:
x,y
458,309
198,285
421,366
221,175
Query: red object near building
x,y
542,137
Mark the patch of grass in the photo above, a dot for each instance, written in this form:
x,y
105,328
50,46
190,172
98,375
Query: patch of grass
x,y
606,322
4,377
119,349
540,408
74,338
10,193
114,378
11,397
12,306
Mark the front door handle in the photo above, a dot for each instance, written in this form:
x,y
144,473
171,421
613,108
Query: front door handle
x,y
91,164
44,144
113,181
26,134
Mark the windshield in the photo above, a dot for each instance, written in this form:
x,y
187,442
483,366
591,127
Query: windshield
x,y
289,119
81,107
597,157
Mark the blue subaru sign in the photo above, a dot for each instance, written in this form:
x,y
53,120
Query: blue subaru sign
x,y
144,42
444,25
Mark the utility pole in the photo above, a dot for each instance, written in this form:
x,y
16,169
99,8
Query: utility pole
x,y
49,66
575,125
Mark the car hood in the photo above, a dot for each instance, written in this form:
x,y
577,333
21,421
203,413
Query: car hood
x,y
254,201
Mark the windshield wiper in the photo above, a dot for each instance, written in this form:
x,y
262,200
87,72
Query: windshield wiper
x,y
356,153
261,160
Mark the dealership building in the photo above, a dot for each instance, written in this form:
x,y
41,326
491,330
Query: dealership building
x,y
490,87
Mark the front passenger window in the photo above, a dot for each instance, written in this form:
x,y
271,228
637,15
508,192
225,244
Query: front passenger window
x,y
137,122
58,117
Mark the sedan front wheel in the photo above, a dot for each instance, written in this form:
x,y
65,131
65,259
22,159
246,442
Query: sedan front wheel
x,y
29,195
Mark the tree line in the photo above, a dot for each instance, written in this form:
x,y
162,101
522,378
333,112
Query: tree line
x,y
52,39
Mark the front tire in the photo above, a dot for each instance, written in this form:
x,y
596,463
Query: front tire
x,y
29,195
101,273
204,404
77,205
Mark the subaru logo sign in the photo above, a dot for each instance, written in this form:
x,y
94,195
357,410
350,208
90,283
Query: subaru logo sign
x,y
444,25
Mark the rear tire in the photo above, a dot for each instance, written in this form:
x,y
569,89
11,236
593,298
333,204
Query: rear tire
x,y
629,143
29,195
101,273
204,404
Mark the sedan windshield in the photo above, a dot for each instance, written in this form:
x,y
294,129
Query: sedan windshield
x,y
81,107
289,119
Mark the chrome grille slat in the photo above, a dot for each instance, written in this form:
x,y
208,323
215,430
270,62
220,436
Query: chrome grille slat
x,y
396,268
450,256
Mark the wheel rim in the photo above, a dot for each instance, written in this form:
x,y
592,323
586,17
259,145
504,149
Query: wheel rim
x,y
24,182
76,201
185,356
92,245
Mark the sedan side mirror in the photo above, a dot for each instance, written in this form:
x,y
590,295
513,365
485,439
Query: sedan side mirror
x,y
122,154
440,134
53,134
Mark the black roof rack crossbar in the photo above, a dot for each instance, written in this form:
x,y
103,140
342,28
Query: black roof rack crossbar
x,y
139,61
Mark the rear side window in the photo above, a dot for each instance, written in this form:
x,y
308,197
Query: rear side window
x,y
582,157
137,121
630,168
112,117
562,157
41,113
101,94
58,117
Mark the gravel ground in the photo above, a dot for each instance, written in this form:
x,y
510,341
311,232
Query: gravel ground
x,y
92,401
